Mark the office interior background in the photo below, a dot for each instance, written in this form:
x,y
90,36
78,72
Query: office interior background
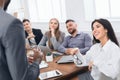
x,y
39,12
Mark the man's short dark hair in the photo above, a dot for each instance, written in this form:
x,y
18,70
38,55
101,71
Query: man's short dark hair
x,y
69,20
6,4
24,20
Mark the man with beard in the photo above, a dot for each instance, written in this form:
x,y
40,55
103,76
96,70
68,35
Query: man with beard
x,y
75,40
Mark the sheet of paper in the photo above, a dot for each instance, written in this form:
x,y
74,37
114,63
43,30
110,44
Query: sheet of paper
x,y
43,64
50,74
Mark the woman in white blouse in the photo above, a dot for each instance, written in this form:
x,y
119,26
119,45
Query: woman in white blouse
x,y
104,56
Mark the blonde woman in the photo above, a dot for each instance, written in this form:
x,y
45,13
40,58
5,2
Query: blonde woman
x,y
54,36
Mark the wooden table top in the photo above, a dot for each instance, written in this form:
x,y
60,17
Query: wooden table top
x,y
68,70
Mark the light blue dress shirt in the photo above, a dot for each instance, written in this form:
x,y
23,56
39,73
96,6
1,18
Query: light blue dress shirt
x,y
82,41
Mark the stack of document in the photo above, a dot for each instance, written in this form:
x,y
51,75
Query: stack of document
x,y
43,64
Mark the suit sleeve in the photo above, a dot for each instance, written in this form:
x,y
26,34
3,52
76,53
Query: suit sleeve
x,y
14,43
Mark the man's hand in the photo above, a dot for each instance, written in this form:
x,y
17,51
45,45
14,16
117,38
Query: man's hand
x,y
27,46
71,51
37,55
30,59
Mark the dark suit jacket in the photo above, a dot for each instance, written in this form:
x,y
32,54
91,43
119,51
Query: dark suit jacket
x,y
38,35
13,60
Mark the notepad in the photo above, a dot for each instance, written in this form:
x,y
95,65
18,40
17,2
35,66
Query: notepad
x,y
43,64
50,74
66,59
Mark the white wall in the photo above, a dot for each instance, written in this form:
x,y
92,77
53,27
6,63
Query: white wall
x,y
74,10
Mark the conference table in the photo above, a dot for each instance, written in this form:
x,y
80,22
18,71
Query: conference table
x,y
68,70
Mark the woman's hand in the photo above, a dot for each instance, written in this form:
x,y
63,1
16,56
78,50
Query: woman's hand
x,y
90,65
52,31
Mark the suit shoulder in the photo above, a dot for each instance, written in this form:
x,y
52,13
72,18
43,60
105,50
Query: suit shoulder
x,y
7,19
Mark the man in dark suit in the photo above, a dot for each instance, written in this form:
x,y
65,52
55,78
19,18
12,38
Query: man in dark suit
x,y
31,32
13,60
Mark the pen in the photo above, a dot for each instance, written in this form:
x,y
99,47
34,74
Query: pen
x,y
57,73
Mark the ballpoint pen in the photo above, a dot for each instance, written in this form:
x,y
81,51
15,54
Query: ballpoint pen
x,y
57,72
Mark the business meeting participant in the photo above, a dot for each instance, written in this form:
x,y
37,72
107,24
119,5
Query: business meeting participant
x,y
75,40
34,36
54,36
13,60
104,56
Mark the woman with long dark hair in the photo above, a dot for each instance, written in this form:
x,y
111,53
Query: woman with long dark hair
x,y
104,64
54,36
107,25
104,56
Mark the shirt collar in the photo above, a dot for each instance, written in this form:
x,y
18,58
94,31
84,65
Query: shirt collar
x,y
107,45
78,33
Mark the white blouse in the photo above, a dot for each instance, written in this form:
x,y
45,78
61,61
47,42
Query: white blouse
x,y
106,60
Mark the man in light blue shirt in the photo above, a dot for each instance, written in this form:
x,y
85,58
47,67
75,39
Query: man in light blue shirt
x,y
75,40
